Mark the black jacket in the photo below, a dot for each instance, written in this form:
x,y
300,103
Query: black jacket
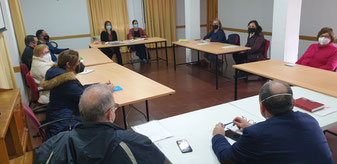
x,y
27,56
105,36
98,143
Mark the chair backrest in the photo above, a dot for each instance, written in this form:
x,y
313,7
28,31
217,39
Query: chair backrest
x,y
234,39
54,43
33,122
33,86
267,43
24,69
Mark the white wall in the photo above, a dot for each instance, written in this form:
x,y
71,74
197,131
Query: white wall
x,y
180,18
314,15
12,47
58,18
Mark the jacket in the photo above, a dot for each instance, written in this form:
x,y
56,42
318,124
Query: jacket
x,y
98,143
38,72
105,36
131,33
65,93
320,56
219,36
257,44
293,137
27,56
53,50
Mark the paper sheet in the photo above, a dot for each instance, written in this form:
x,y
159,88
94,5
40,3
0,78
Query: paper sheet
x,y
201,44
325,111
86,71
234,128
154,130
228,47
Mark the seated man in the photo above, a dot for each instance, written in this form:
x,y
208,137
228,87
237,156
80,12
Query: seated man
x,y
44,39
98,139
284,137
27,55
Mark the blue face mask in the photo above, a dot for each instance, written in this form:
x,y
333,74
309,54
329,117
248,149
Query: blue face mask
x,y
108,27
135,26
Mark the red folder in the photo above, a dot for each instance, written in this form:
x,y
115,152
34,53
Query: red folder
x,y
308,105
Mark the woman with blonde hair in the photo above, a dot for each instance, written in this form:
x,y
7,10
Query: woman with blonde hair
x,y
40,64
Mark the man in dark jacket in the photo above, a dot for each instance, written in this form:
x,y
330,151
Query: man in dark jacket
x,y
44,39
97,139
27,55
285,137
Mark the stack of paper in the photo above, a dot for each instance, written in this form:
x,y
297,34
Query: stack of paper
x,y
325,111
154,130
228,47
204,43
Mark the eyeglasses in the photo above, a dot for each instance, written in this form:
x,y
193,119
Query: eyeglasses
x,y
280,94
252,122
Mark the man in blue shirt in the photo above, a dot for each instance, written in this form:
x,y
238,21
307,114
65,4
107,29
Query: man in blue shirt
x,y
44,39
216,35
285,137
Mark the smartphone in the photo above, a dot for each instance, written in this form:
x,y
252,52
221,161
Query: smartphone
x,y
184,146
232,135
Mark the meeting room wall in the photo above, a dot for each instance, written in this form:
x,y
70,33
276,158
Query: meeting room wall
x,y
236,14
180,18
58,18
12,47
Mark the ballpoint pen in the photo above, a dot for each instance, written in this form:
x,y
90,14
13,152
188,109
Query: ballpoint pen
x,y
228,123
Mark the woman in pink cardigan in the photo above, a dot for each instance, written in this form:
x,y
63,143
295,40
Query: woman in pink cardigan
x,y
134,33
323,54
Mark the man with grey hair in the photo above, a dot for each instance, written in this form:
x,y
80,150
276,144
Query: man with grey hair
x,y
97,139
27,55
284,137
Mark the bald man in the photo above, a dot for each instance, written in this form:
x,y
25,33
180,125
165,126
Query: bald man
x,y
97,139
285,136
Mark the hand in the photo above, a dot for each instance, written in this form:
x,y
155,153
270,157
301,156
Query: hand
x,y
219,129
241,123
111,86
208,40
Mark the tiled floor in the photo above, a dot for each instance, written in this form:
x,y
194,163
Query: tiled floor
x,y
195,89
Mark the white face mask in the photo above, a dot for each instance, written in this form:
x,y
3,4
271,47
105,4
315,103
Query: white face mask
x,y
323,40
47,57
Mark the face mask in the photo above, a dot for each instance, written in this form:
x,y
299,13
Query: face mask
x,y
47,57
323,40
135,26
215,27
79,68
251,30
108,27
46,37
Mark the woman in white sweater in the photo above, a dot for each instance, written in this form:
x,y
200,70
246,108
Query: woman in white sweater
x,y
40,64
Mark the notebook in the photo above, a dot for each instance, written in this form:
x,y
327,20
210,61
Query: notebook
x,y
308,105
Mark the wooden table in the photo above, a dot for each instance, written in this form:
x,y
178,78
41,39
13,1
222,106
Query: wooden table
x,y
15,143
150,40
315,79
93,56
136,88
214,48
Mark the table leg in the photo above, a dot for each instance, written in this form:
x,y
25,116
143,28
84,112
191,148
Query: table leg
x,y
236,85
198,56
174,57
216,72
166,53
124,118
157,51
147,111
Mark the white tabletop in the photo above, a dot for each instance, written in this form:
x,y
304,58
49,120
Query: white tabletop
x,y
197,127
251,105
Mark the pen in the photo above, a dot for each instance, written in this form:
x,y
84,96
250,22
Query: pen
x,y
228,123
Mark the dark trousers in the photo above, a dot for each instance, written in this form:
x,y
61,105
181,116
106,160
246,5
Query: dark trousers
x,y
140,51
240,58
110,52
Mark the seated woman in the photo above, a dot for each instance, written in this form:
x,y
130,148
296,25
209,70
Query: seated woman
x,y
256,42
41,63
216,35
109,35
323,54
65,91
134,33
